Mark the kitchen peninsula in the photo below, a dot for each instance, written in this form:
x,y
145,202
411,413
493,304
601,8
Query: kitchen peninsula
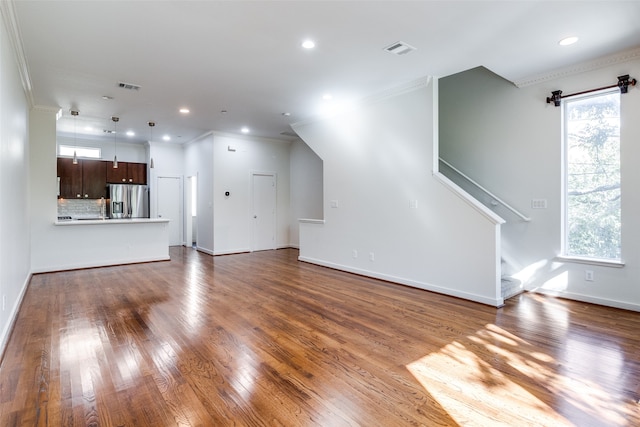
x,y
86,227
66,245
97,243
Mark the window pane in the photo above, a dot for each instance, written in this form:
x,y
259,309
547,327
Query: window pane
x,y
82,152
592,137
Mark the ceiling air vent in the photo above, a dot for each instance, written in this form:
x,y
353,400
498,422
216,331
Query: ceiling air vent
x,y
399,48
128,86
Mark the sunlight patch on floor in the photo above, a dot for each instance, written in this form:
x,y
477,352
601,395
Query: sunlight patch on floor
x,y
494,378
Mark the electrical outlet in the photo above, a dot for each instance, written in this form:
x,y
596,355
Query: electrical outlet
x,y
334,203
372,256
588,275
355,253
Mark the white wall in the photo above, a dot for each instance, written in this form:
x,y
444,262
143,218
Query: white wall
x,y
378,164
509,140
198,161
14,188
306,187
232,172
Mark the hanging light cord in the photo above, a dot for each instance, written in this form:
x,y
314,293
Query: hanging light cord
x,y
74,113
115,141
151,125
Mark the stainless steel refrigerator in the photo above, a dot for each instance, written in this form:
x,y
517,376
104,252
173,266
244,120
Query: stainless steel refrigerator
x,y
128,201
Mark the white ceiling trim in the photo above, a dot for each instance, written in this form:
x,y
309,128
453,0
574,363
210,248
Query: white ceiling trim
x,y
606,61
46,109
411,86
7,9
416,84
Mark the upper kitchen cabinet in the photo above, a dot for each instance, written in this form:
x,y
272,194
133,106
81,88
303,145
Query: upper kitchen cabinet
x,y
94,179
129,173
85,180
117,175
69,178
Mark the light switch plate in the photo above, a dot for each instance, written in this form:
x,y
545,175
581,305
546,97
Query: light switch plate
x,y
538,203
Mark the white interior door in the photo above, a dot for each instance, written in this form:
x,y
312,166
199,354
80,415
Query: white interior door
x,y
264,212
188,216
170,206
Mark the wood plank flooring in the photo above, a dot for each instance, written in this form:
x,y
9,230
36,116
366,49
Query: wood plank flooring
x,y
261,339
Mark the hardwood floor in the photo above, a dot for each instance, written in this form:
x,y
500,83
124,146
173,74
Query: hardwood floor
x,y
261,339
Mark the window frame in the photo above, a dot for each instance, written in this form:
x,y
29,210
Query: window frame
x,y
69,149
564,256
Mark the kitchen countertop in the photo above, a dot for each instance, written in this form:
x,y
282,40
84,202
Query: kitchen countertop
x,y
97,221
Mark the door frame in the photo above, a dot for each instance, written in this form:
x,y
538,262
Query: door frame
x,y
188,214
180,200
252,242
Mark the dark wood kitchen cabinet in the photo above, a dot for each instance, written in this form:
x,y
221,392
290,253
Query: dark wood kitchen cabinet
x,y
137,173
70,178
85,180
127,173
94,179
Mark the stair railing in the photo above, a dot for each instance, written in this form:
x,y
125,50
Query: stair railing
x,y
489,193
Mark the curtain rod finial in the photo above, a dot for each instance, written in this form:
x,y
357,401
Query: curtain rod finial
x,y
624,82
556,97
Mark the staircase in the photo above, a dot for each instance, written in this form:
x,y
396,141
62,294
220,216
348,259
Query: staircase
x,y
510,285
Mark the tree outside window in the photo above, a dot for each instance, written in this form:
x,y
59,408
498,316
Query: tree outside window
x,y
592,177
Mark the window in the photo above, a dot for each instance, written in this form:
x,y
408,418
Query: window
x,y
81,152
592,214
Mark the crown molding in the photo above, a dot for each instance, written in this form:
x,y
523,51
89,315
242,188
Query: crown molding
x,y
411,86
618,58
7,9
46,109
419,83
221,134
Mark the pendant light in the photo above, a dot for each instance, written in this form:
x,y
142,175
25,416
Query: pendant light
x,y
151,125
115,141
74,113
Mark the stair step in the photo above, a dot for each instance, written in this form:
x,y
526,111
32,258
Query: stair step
x,y
511,287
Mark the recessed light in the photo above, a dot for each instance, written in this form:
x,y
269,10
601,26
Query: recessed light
x,y
88,128
131,133
107,97
286,114
184,110
166,138
568,41
308,44
244,130
327,97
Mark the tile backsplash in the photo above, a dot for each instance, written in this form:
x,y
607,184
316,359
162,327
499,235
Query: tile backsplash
x,y
80,208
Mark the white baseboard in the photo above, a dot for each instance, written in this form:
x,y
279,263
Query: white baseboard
x,y
204,250
108,263
589,299
498,302
13,316
232,251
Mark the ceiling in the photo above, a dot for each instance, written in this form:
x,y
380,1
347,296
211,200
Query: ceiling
x,y
245,57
